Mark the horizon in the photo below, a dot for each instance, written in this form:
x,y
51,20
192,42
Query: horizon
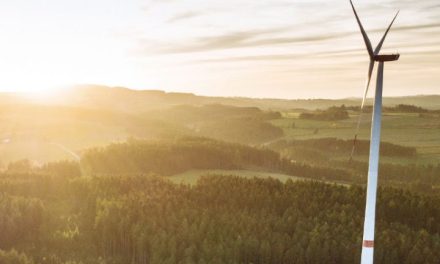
x,y
279,49
60,91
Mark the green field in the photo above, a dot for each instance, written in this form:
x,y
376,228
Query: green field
x,y
191,176
406,129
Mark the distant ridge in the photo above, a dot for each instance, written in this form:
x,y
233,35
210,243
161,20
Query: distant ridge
x,y
130,100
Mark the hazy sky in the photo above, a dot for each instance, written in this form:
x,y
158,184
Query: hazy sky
x,y
276,48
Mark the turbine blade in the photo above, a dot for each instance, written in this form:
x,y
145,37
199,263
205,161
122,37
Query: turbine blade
x,y
364,34
370,71
379,46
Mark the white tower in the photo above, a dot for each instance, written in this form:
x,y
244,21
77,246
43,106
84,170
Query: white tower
x,y
373,166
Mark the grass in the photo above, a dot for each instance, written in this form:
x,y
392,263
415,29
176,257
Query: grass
x,y
405,129
190,177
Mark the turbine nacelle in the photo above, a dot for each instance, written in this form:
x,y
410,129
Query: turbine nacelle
x,y
386,57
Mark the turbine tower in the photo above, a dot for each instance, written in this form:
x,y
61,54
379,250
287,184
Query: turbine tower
x,y
370,208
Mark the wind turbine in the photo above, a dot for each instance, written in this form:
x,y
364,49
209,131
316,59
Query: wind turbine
x,y
370,208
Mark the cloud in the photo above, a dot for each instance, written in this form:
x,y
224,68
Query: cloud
x,y
426,50
403,28
254,38
163,1
241,39
255,58
278,57
183,16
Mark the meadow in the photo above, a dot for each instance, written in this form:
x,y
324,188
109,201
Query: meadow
x,y
406,129
191,177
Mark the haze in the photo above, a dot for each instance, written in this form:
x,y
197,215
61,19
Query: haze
x,y
278,49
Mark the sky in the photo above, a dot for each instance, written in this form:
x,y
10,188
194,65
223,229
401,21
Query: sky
x,y
274,48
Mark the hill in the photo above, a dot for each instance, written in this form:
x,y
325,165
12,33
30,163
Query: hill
x,y
51,132
128,100
142,100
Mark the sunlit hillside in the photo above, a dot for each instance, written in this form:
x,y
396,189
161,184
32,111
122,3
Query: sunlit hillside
x,y
46,129
110,174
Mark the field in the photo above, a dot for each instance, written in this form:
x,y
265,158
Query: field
x,y
192,176
405,129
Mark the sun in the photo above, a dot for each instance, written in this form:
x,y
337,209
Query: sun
x,y
34,79
34,89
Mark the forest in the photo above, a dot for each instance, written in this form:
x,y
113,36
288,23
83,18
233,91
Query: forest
x,y
168,157
330,114
173,156
399,108
222,219
117,206
332,145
